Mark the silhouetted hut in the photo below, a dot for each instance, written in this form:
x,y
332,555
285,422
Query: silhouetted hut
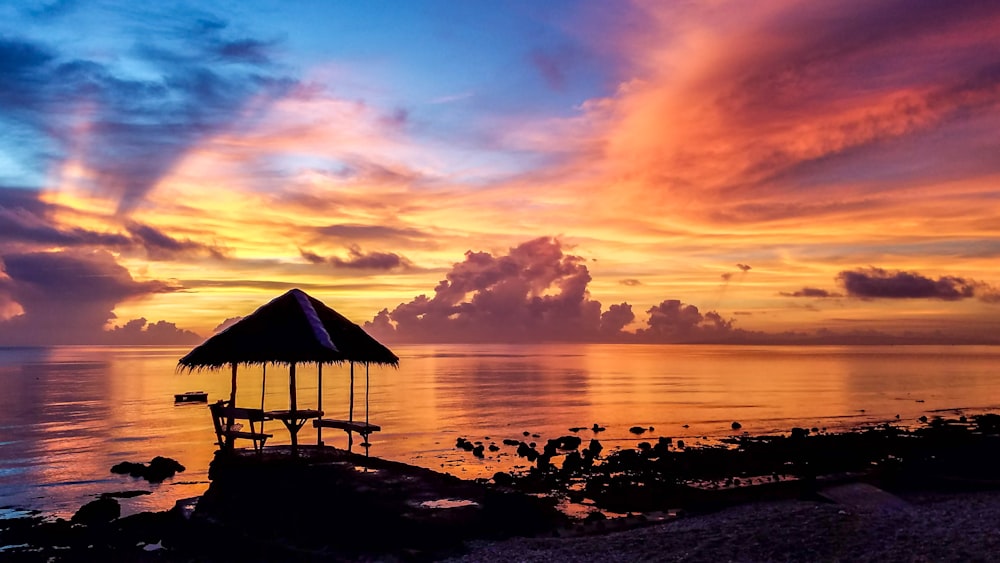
x,y
294,328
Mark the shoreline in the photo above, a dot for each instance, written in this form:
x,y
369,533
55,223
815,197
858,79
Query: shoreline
x,y
656,484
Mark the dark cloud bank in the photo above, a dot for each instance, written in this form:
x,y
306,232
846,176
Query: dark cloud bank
x,y
68,297
538,293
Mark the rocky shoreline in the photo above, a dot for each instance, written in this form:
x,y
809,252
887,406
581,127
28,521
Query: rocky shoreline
x,y
330,505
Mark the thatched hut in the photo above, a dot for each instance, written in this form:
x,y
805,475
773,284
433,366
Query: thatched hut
x,y
294,328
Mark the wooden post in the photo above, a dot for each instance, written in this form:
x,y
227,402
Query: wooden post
x,y
319,403
232,388
230,441
292,406
350,412
263,386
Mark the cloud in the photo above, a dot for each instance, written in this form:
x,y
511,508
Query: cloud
x,y
811,292
534,293
631,282
128,131
226,324
744,267
160,246
673,321
877,283
139,332
67,297
359,260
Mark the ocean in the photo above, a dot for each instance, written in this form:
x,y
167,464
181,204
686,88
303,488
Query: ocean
x,y
68,414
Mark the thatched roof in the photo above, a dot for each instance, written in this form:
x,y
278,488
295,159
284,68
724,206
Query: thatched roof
x,y
293,328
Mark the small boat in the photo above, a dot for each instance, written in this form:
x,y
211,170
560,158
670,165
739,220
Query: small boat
x,y
191,397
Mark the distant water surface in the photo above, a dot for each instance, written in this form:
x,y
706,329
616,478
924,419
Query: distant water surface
x,y
67,414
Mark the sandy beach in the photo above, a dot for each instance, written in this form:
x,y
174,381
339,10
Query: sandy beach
x,y
930,527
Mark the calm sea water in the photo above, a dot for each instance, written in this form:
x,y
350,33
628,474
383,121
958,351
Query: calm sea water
x,y
68,414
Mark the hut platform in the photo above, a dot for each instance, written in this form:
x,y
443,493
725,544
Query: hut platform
x,y
330,501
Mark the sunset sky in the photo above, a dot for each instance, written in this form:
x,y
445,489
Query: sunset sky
x,y
772,171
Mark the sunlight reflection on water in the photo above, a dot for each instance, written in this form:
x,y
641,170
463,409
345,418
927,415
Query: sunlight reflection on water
x,y
70,413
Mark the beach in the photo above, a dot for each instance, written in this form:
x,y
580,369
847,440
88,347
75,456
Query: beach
x,y
934,526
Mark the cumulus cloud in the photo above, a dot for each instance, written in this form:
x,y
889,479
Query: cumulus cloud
x,y
673,321
533,293
67,297
878,283
140,331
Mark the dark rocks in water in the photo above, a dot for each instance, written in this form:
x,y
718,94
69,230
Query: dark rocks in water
x,y
988,423
464,444
159,468
598,428
96,512
799,433
577,429
923,418
494,448
573,462
686,426
524,450
536,435
815,430
662,446
595,447
162,467
736,425
125,494
680,444
566,442
503,479
637,429
478,451
645,447
526,433
509,442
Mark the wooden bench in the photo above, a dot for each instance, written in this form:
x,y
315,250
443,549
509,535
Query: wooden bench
x,y
228,429
349,426
362,428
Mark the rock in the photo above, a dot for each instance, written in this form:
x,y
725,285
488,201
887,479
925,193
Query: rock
x,y
100,511
567,442
161,468
595,447
923,419
637,429
509,442
503,479
576,429
573,462
129,468
526,433
737,425
595,516
597,428
645,447
494,448
524,450
158,469
680,444
799,433
478,451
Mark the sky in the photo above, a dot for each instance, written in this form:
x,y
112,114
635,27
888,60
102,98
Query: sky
x,y
774,172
